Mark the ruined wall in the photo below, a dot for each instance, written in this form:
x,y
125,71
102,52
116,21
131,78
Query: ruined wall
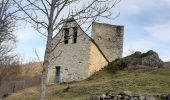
x,y
109,38
96,59
80,60
73,57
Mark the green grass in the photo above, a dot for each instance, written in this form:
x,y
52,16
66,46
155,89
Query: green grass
x,y
150,81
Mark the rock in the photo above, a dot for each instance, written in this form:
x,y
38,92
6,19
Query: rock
x,y
102,97
134,98
142,98
107,96
168,97
149,98
152,59
126,97
165,97
126,93
118,96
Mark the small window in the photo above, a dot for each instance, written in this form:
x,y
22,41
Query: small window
x,y
75,35
66,35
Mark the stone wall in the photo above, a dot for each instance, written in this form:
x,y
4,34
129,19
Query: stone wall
x,y
96,59
72,57
109,38
78,61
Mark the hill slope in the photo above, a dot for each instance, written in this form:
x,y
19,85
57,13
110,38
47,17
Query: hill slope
x,y
17,77
153,81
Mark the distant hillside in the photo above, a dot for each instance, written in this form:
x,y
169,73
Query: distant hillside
x,y
152,81
167,64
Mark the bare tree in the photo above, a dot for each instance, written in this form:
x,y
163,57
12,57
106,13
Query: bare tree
x,y
8,59
7,38
47,16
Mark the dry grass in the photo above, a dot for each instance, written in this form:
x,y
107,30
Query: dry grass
x,y
31,69
13,72
144,81
9,71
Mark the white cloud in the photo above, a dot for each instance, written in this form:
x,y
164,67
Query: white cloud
x,y
149,21
129,7
141,45
28,40
160,32
25,32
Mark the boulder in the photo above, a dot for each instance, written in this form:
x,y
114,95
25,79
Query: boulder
x,y
165,97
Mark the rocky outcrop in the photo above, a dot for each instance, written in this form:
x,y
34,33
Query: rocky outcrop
x,y
138,59
152,59
125,95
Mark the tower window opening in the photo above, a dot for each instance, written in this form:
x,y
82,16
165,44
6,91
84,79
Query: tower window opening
x,y
66,36
75,35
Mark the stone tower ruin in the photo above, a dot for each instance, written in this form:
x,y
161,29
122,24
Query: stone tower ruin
x,y
109,38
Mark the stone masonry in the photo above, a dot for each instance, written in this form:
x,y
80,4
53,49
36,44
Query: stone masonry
x,y
77,56
109,38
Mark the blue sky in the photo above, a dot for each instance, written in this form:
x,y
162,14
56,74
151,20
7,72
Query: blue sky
x,y
147,27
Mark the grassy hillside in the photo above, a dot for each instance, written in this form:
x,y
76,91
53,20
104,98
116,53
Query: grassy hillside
x,y
144,81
